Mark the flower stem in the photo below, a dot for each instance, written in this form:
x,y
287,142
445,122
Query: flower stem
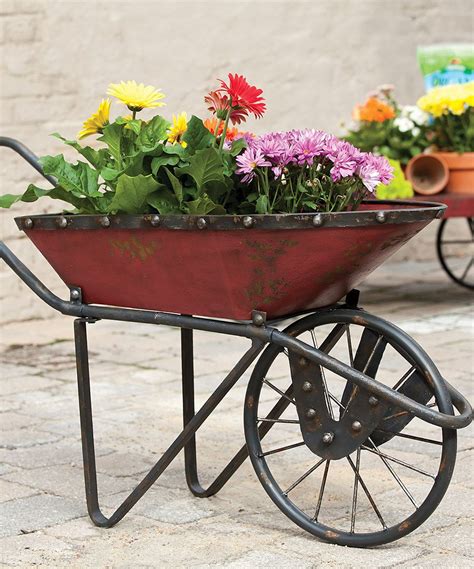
x,y
134,114
226,123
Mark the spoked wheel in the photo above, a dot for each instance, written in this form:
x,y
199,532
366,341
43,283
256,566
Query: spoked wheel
x,y
352,479
455,247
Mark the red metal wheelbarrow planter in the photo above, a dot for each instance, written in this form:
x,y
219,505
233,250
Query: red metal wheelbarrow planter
x,y
333,395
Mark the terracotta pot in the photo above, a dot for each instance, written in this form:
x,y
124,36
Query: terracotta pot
x,y
461,171
428,173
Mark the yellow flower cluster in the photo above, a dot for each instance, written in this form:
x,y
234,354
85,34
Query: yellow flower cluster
x,y
450,98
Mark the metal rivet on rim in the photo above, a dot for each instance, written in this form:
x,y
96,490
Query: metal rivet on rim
x,y
28,223
155,220
307,386
318,220
356,426
311,413
328,438
247,221
258,319
303,362
62,222
201,223
75,294
381,217
373,401
105,222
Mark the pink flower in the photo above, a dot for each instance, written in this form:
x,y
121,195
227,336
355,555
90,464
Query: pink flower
x,y
374,170
248,161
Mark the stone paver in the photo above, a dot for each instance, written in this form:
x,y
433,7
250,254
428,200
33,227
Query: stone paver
x,y
136,390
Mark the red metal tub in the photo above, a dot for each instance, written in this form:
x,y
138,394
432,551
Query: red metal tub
x,y
224,266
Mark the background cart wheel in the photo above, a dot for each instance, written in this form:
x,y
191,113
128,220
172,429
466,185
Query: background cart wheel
x,y
455,247
394,480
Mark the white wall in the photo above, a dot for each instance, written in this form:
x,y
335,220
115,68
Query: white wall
x,y
313,59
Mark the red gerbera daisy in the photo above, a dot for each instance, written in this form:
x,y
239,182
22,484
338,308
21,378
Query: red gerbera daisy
x,y
219,105
243,96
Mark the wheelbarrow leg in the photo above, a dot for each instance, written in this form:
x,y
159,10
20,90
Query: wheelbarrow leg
x,y
87,433
190,452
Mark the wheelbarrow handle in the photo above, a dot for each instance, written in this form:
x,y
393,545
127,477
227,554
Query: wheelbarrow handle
x,y
26,154
262,333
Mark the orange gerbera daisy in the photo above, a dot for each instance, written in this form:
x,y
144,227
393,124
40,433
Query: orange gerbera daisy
x,y
373,110
211,125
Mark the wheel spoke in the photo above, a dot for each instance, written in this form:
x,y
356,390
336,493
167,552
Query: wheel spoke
x,y
266,420
281,449
367,493
413,437
469,265
349,345
402,380
394,474
305,475
279,391
354,494
321,491
400,462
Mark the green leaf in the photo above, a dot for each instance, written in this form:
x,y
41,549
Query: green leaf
x,y
237,146
163,201
262,204
79,179
132,193
110,174
175,185
175,149
163,160
204,167
98,158
201,206
34,193
152,134
112,136
197,136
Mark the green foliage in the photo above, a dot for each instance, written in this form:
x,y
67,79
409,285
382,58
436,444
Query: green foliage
x,y
385,138
132,194
399,188
454,133
138,171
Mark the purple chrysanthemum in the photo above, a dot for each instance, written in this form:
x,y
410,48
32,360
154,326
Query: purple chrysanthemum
x,y
374,170
249,160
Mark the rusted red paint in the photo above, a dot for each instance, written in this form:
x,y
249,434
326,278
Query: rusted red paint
x,y
219,273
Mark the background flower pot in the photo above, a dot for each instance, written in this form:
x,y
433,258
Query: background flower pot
x,y
461,171
428,173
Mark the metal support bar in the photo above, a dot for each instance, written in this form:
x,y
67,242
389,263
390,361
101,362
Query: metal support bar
x,y
87,432
26,154
190,452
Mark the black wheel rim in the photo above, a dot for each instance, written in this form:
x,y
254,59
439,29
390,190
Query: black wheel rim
x,y
455,250
261,455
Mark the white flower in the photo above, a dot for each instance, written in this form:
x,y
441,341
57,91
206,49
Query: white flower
x,y
415,131
415,114
403,124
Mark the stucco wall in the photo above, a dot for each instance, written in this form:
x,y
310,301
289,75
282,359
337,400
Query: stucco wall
x,y
314,60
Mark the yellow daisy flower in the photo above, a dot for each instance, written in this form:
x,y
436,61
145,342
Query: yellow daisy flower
x,y
135,95
178,128
96,122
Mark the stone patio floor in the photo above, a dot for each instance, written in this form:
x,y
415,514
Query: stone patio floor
x,y
137,398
